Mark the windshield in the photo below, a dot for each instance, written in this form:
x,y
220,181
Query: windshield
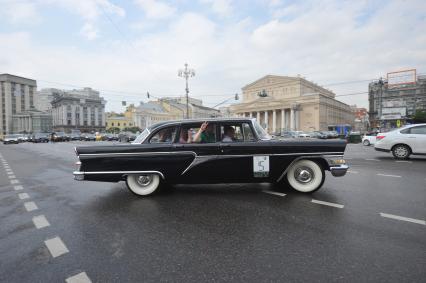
x,y
141,138
261,133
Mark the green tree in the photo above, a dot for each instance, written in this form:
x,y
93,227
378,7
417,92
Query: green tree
x,y
419,116
113,130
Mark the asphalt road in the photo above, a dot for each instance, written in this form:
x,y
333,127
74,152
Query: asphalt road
x,y
371,227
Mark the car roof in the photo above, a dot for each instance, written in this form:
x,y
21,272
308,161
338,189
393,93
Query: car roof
x,y
198,120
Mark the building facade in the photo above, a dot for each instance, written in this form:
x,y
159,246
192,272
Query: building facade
x,y
32,121
283,103
16,97
78,109
392,106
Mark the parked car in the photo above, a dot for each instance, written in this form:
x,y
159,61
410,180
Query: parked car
x,y
304,135
75,137
40,137
89,137
320,135
9,139
369,138
60,137
234,150
288,134
403,142
111,137
22,137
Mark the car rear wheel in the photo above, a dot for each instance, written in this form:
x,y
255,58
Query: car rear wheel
x,y
366,142
401,151
143,184
305,176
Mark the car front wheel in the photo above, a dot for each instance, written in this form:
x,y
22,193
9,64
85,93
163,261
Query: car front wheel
x,y
143,184
401,151
305,176
366,142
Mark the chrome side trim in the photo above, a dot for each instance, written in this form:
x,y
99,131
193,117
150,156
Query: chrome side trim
x,y
80,173
198,160
302,157
137,153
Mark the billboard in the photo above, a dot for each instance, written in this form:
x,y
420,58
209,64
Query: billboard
x,y
401,77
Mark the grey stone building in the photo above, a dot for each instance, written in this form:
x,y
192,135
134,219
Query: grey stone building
x,y
78,109
394,106
16,97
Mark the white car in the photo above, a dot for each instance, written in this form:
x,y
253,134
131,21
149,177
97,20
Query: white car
x,y
369,139
403,142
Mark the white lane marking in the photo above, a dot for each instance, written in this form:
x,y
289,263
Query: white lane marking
x,y
18,188
385,175
14,181
354,172
403,161
403,218
30,206
9,173
372,159
274,193
328,203
23,196
40,221
12,177
56,247
79,278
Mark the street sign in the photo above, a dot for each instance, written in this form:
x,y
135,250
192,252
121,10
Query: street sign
x,y
398,123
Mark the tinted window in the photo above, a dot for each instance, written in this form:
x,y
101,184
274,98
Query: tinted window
x,y
421,130
406,131
247,132
166,135
231,133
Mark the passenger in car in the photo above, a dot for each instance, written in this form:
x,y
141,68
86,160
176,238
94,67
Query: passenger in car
x,y
205,134
229,134
185,136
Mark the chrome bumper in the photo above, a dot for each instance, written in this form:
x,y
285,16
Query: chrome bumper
x,y
339,171
79,176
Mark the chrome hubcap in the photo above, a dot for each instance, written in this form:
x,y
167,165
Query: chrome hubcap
x,y
401,151
304,175
144,180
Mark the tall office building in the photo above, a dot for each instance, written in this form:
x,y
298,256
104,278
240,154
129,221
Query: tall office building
x,y
17,97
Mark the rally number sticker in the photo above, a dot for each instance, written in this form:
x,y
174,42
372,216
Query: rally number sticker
x,y
261,166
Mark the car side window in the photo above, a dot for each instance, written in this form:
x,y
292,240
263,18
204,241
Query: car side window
x,y
420,130
231,133
166,135
198,133
406,131
247,132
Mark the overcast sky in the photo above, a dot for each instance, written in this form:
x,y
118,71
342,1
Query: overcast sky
x,y
131,47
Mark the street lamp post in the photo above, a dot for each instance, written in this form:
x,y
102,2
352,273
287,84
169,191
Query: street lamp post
x,y
186,74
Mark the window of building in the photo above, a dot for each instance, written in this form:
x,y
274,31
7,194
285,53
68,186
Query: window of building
x,y
118,124
112,124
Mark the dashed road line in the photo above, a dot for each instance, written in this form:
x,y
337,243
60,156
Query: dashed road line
x,y
56,247
18,188
40,221
274,193
30,206
403,161
353,172
402,218
327,203
9,172
386,175
372,159
12,177
23,196
14,181
79,278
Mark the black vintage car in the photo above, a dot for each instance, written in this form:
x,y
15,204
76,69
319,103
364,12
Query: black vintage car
x,y
236,150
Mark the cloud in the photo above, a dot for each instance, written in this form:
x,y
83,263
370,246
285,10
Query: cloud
x,y
327,44
154,9
19,12
221,7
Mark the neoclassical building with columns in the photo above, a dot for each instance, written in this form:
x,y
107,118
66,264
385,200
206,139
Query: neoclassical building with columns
x,y
283,103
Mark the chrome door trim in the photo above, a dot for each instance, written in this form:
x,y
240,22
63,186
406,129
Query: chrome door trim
x,y
117,172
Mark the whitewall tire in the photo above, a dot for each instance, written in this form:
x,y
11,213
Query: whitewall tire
x,y
305,176
143,184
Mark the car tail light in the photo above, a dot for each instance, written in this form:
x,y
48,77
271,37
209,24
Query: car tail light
x,y
380,137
